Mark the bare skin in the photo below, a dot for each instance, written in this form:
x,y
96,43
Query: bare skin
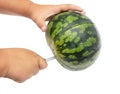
x,y
19,64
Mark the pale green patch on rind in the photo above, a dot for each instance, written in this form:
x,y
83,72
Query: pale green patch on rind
x,y
77,39
64,44
90,32
62,38
72,57
83,27
68,36
65,24
61,55
71,37
84,17
81,46
50,26
70,19
57,42
90,41
73,50
87,53
74,63
57,29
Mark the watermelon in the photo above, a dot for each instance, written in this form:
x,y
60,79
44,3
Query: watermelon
x,y
73,39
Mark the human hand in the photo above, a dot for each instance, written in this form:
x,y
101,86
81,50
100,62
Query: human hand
x,y
40,13
21,64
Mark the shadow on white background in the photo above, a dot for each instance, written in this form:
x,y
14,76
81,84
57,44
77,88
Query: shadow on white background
x,y
101,78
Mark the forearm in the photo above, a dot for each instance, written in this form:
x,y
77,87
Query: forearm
x,y
18,7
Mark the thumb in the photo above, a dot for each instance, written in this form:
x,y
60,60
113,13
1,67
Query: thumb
x,y
42,63
44,28
42,25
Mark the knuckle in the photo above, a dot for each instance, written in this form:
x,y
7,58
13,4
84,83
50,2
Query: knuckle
x,y
69,5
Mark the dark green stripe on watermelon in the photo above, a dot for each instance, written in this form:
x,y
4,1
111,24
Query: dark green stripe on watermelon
x,y
62,23
74,40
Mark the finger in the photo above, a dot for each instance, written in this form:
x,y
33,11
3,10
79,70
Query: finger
x,y
41,24
43,28
42,63
65,7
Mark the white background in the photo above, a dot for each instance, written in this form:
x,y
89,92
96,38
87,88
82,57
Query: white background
x,y
103,77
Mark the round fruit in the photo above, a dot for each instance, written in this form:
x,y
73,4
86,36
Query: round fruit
x,y
73,39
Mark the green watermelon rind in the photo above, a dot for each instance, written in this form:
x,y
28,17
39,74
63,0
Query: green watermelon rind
x,y
83,65
79,65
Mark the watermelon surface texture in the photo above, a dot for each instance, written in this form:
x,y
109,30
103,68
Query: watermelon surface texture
x,y
73,39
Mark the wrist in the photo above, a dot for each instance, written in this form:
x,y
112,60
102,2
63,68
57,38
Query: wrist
x,y
32,10
28,11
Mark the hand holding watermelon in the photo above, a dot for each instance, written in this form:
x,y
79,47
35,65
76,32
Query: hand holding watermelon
x,y
73,39
40,13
